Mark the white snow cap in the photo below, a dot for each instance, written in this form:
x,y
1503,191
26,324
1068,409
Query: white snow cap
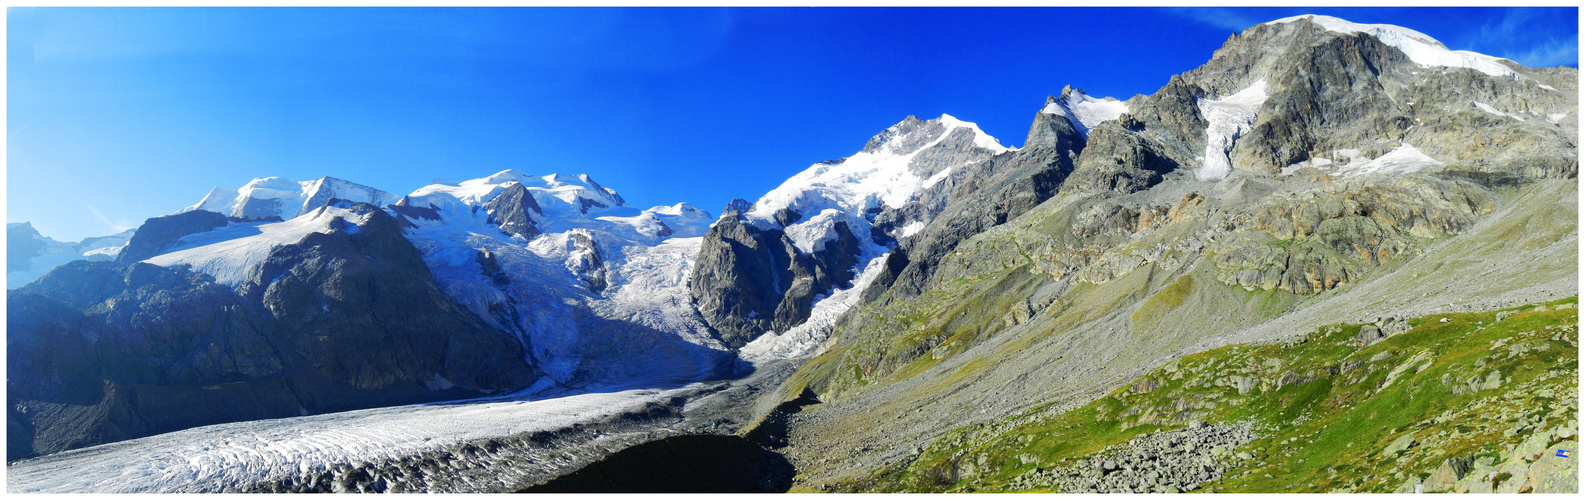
x,y
547,189
1085,112
567,202
286,198
864,180
1421,49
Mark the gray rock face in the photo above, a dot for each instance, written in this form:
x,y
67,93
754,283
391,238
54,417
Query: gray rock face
x,y
514,210
957,148
990,193
591,263
158,234
406,212
735,281
1330,91
736,206
786,217
747,281
1119,160
105,351
916,134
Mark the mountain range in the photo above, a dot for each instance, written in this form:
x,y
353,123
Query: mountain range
x,y
900,319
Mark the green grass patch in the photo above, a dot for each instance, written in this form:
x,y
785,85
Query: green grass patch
x,y
1327,407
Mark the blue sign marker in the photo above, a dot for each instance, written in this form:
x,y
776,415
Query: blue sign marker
x,y
1562,453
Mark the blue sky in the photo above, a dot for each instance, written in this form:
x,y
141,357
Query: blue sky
x,y
118,115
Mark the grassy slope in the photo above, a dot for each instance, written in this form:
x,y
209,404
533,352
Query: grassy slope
x,y
1328,408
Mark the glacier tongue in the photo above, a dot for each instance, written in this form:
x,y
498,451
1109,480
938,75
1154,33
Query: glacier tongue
x,y
214,458
1227,118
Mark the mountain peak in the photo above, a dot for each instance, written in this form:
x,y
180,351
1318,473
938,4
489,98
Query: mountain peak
x,y
269,197
1083,111
1421,48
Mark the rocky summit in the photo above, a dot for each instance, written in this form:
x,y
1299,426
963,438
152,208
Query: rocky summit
x,y
1335,257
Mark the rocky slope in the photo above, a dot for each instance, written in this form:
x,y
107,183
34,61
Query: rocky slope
x,y
1452,402
1307,174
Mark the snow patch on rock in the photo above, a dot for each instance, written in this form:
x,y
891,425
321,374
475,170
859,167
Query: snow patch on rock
x,y
1494,111
1401,160
810,236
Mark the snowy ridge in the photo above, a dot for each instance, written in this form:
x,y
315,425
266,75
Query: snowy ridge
x,y
867,179
285,198
1085,112
1226,119
554,191
233,253
1421,49
599,294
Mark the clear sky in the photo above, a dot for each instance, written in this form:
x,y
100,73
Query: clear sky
x,y
118,115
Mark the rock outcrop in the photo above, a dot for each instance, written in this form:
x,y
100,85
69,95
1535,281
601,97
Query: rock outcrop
x,y
514,210
747,281
159,234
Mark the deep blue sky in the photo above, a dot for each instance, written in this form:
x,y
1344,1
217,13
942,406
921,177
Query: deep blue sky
x,y
117,115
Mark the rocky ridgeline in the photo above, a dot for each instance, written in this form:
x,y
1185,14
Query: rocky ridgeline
x,y
1164,462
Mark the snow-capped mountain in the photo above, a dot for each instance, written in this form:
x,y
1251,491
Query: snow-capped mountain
x,y
1084,112
275,197
597,288
764,267
30,255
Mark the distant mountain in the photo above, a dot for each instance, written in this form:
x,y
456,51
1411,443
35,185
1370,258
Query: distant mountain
x,y
29,254
283,199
